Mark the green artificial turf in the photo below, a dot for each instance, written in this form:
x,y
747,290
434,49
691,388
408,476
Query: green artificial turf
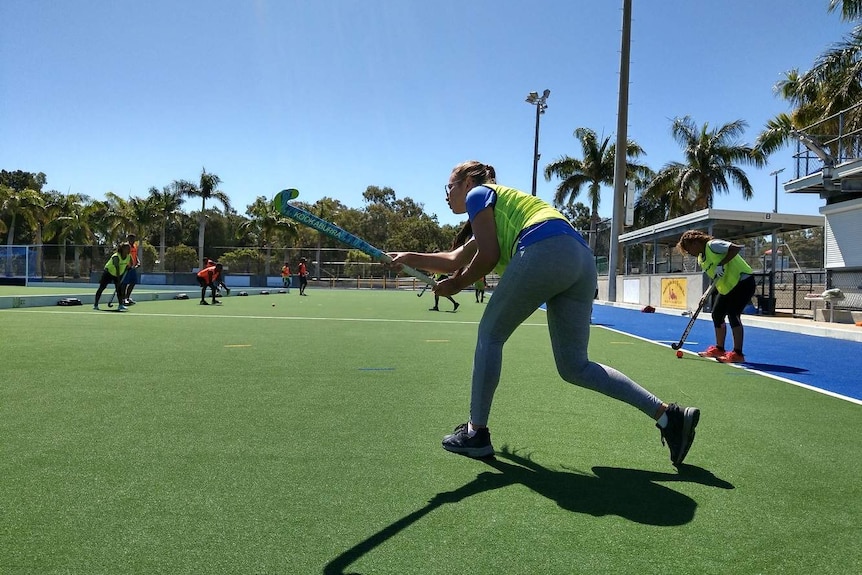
x,y
305,438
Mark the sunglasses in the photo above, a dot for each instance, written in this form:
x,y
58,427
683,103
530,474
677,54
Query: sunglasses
x,y
448,187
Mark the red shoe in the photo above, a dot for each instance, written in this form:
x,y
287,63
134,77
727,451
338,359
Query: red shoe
x,y
731,357
712,351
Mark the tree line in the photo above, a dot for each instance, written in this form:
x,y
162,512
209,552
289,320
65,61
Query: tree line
x,y
713,162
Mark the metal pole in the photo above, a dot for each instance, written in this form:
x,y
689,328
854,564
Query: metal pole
x,y
775,173
541,104
536,147
620,159
774,242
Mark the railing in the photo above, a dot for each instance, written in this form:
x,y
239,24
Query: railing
x,y
839,136
789,293
849,281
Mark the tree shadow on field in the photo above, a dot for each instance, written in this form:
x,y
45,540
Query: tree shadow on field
x,y
632,494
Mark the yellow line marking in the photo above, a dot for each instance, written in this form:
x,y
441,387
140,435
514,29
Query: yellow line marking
x,y
238,345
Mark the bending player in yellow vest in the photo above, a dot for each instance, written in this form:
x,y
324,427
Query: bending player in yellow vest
x,y
116,266
735,284
540,259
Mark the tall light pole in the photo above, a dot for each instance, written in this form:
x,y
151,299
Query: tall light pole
x,y
618,215
775,173
541,104
774,239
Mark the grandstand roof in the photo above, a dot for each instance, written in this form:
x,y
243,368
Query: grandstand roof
x,y
723,224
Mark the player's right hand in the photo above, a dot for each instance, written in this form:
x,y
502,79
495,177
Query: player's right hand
x,y
397,261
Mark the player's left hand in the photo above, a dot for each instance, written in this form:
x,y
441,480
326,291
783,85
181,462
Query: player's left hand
x,y
719,271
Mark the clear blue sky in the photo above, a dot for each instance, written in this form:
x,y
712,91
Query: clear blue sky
x,y
332,96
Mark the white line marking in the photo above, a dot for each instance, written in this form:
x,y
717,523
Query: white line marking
x,y
269,317
758,372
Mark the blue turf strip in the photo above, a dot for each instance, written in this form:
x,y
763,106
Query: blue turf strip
x,y
822,362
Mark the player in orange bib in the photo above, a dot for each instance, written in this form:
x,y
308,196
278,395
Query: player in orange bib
x,y
210,277
285,276
130,279
303,276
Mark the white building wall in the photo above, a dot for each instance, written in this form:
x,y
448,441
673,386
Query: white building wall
x,y
843,234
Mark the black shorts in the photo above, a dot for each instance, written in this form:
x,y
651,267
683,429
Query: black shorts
x,y
107,278
731,304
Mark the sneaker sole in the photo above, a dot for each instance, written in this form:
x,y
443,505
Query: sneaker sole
x,y
690,419
480,451
475,452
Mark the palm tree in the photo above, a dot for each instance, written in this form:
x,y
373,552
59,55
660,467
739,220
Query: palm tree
x,y
144,218
711,158
330,210
122,217
5,192
265,223
43,218
207,189
166,207
832,85
71,220
16,205
850,9
594,170
819,95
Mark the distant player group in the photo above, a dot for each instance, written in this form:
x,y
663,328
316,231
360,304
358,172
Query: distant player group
x,y
211,276
121,272
302,273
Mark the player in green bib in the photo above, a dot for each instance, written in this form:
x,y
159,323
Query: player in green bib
x,y
541,259
115,268
735,284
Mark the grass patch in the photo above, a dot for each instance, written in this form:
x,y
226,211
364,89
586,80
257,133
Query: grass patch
x,y
304,438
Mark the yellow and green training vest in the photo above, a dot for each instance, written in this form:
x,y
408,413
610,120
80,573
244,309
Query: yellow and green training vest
x,y
732,269
514,212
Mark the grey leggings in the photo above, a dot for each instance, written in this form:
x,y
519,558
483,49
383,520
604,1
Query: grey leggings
x,y
560,272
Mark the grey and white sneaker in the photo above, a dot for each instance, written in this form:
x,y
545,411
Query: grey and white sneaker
x,y
477,446
679,432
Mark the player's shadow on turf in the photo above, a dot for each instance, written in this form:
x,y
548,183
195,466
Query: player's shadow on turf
x,y
632,494
773,368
